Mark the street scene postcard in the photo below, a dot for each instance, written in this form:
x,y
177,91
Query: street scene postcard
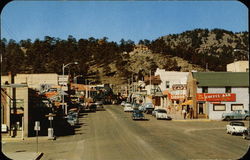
x,y
124,80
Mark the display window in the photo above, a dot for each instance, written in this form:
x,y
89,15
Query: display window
x,y
219,107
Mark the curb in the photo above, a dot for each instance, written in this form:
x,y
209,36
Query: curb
x,y
194,120
8,139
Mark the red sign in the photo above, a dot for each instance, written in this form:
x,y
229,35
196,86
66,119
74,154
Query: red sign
x,y
215,97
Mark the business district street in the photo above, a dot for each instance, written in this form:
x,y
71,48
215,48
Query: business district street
x,y
113,135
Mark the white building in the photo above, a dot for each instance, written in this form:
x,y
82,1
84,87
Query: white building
x,y
173,86
238,66
215,93
36,81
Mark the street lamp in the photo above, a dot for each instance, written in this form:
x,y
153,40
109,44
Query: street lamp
x,y
63,67
241,50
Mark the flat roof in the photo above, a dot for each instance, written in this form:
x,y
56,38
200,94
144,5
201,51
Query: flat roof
x,y
219,79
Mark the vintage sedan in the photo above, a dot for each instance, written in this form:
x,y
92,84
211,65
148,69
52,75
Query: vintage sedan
x,y
235,128
137,115
162,114
128,107
99,105
238,114
154,112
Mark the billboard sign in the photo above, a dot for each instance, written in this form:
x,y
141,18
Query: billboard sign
x,y
215,97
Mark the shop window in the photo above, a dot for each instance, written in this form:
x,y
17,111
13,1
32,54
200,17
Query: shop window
x,y
167,84
204,89
235,107
228,89
219,107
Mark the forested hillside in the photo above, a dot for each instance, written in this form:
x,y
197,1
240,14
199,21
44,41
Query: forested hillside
x,y
190,50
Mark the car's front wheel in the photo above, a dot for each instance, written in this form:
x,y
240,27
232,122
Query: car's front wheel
x,y
247,118
227,118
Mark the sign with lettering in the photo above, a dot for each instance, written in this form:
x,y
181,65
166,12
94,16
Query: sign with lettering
x,y
215,97
179,86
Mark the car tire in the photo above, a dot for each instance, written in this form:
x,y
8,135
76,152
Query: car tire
x,y
227,118
232,133
247,118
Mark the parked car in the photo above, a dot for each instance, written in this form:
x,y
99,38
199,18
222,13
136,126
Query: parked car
x,y
238,114
72,119
137,114
99,105
154,112
92,107
236,128
162,114
135,106
246,134
123,103
148,108
128,108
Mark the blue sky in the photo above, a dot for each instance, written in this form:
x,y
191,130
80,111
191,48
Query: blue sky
x,y
133,20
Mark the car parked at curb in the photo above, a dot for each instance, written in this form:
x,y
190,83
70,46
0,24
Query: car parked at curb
x,y
123,103
237,114
99,105
154,112
235,128
162,114
128,107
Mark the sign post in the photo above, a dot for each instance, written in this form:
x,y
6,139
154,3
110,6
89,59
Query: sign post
x,y
37,128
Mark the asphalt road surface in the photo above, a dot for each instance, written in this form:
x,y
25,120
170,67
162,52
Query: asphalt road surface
x,y
113,135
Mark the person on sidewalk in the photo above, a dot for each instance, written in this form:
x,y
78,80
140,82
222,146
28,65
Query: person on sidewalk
x,y
191,113
184,112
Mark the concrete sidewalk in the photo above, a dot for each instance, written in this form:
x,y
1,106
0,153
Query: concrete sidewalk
x,y
18,139
24,155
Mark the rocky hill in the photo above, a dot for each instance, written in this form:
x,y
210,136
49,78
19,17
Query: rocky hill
x,y
112,62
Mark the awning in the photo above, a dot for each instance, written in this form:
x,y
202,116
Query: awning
x,y
189,102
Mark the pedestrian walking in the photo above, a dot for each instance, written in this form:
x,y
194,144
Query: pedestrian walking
x,y
191,113
184,112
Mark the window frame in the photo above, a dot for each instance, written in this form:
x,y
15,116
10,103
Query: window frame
x,y
219,105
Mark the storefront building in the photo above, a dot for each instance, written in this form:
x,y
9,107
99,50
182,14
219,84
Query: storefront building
x,y
215,93
173,86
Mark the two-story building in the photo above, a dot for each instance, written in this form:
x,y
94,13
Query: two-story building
x,y
173,86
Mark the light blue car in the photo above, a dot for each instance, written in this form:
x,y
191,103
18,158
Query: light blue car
x,y
238,114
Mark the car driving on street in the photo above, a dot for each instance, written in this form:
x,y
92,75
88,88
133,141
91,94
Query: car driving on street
x,y
235,128
137,115
161,114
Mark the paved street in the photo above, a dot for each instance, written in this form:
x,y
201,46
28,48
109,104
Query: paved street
x,y
112,134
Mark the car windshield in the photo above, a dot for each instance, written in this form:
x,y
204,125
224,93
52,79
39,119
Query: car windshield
x,y
162,111
237,124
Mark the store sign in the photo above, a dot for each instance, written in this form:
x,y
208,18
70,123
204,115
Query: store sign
x,y
179,87
214,97
177,96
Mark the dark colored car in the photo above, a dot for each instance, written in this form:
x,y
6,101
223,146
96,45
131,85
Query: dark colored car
x,y
92,107
99,105
137,114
